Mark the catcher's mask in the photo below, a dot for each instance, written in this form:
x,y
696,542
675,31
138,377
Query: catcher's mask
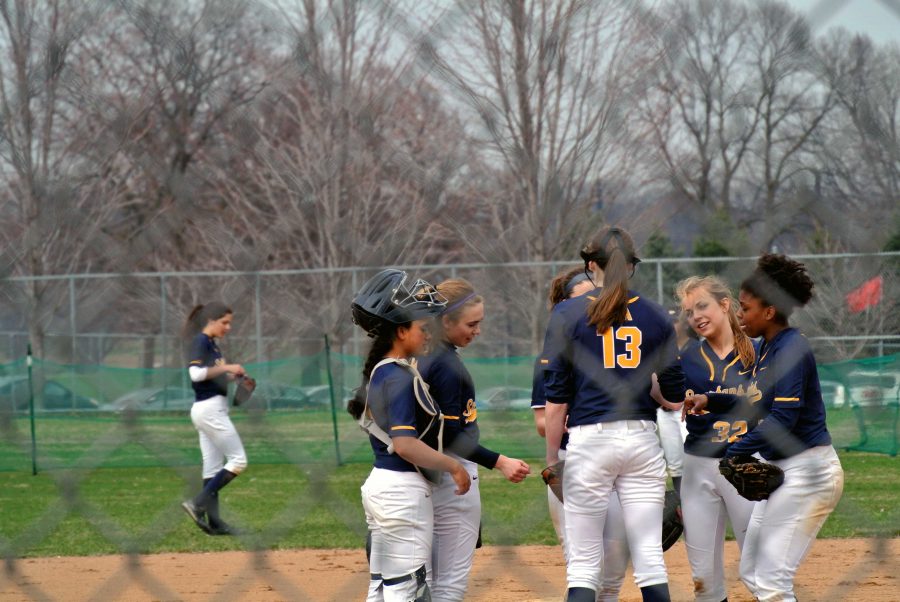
x,y
386,298
596,251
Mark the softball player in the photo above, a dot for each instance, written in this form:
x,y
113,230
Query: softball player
x,y
722,361
601,350
457,519
405,426
220,445
784,388
568,285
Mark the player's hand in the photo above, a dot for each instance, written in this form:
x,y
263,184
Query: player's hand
x,y
461,478
694,404
513,469
236,369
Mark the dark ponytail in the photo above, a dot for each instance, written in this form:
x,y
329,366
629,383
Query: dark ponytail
x,y
381,346
612,250
200,315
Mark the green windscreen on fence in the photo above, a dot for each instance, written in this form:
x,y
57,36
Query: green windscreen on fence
x,y
88,416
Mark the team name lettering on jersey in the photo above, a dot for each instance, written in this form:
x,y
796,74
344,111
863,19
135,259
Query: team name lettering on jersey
x,y
471,413
751,393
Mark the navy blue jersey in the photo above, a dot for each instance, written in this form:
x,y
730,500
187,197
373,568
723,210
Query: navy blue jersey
x,y
710,433
538,398
392,402
451,386
204,353
607,376
784,386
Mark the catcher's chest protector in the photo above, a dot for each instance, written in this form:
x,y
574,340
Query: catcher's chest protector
x,y
374,419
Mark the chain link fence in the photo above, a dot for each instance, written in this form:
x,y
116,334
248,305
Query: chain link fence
x,y
112,475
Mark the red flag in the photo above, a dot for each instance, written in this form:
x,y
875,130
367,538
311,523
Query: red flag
x,y
867,295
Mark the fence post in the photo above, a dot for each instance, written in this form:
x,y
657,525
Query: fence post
x,y
28,363
258,310
337,445
162,320
659,282
72,325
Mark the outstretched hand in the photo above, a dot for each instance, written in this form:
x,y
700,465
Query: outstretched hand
x,y
513,469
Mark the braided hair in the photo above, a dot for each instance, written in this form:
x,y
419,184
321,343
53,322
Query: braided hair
x,y
382,340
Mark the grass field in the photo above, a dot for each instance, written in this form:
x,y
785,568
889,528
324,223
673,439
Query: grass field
x,y
85,511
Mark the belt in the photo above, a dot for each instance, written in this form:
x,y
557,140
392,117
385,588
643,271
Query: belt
x,y
617,425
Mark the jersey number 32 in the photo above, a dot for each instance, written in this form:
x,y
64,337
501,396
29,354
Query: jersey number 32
x,y
632,356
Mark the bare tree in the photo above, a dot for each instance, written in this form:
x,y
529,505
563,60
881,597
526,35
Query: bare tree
x,y
705,106
550,83
353,155
794,105
49,189
857,149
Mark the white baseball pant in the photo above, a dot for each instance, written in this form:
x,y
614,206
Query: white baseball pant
x,y
707,499
615,543
219,440
399,515
456,522
672,433
783,528
626,456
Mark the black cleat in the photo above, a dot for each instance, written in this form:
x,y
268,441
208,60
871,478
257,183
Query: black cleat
x,y
223,528
197,516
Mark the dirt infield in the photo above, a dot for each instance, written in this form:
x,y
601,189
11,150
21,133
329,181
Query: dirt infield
x,y
837,569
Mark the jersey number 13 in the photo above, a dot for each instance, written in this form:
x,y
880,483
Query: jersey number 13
x,y
632,356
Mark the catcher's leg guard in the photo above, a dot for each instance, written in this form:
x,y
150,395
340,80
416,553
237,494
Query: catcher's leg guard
x,y
423,593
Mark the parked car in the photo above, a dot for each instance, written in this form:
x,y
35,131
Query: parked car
x,y
873,388
276,396
834,393
57,397
320,395
153,399
504,398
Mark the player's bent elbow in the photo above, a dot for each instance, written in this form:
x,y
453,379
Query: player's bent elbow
x,y
539,422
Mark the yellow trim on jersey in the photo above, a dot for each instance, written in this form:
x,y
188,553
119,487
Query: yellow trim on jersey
x,y
591,298
451,417
403,428
195,362
712,370
787,399
758,362
545,361
633,299
725,369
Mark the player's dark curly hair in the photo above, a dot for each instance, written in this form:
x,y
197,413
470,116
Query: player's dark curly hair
x,y
382,341
781,282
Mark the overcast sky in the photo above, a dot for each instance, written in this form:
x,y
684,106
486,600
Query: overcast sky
x,y
880,19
